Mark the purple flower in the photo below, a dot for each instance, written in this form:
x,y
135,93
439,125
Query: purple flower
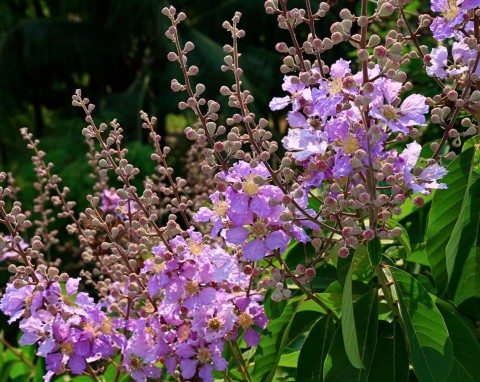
x,y
328,97
453,12
426,180
305,143
410,113
14,301
9,250
200,356
265,240
251,314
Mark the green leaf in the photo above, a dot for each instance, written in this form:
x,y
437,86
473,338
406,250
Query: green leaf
x,y
463,255
20,371
446,219
337,366
279,333
39,370
362,269
466,349
419,254
430,347
349,330
403,238
390,362
289,360
409,208
471,142
314,350
272,308
374,251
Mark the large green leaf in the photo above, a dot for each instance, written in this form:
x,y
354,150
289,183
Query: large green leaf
x,y
446,219
463,255
279,333
314,350
390,362
337,366
348,327
430,347
273,342
374,251
466,349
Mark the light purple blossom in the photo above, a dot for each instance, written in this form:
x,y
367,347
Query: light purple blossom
x,y
453,12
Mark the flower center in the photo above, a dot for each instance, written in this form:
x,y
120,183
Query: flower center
x,y
350,145
245,320
221,208
214,324
203,355
106,327
335,86
250,187
68,348
258,229
191,287
195,248
390,113
135,364
315,123
451,11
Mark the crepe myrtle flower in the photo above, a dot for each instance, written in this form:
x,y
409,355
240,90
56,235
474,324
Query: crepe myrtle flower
x,y
217,213
213,322
422,180
9,251
265,239
110,201
200,357
138,369
15,301
398,119
452,15
305,143
251,315
330,93
301,95
439,61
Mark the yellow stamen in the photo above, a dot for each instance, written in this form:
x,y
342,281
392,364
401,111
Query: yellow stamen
x,y
245,320
335,86
451,11
250,187
203,355
350,145
390,112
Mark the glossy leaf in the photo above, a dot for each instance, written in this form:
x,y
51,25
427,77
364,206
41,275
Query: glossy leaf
x,y
374,251
463,255
466,349
390,362
289,360
272,343
446,219
348,327
337,366
279,333
314,350
430,347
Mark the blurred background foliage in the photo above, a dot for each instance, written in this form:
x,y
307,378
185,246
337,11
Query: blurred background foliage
x,y
115,51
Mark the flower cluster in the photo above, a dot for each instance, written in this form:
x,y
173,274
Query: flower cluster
x,y
186,297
